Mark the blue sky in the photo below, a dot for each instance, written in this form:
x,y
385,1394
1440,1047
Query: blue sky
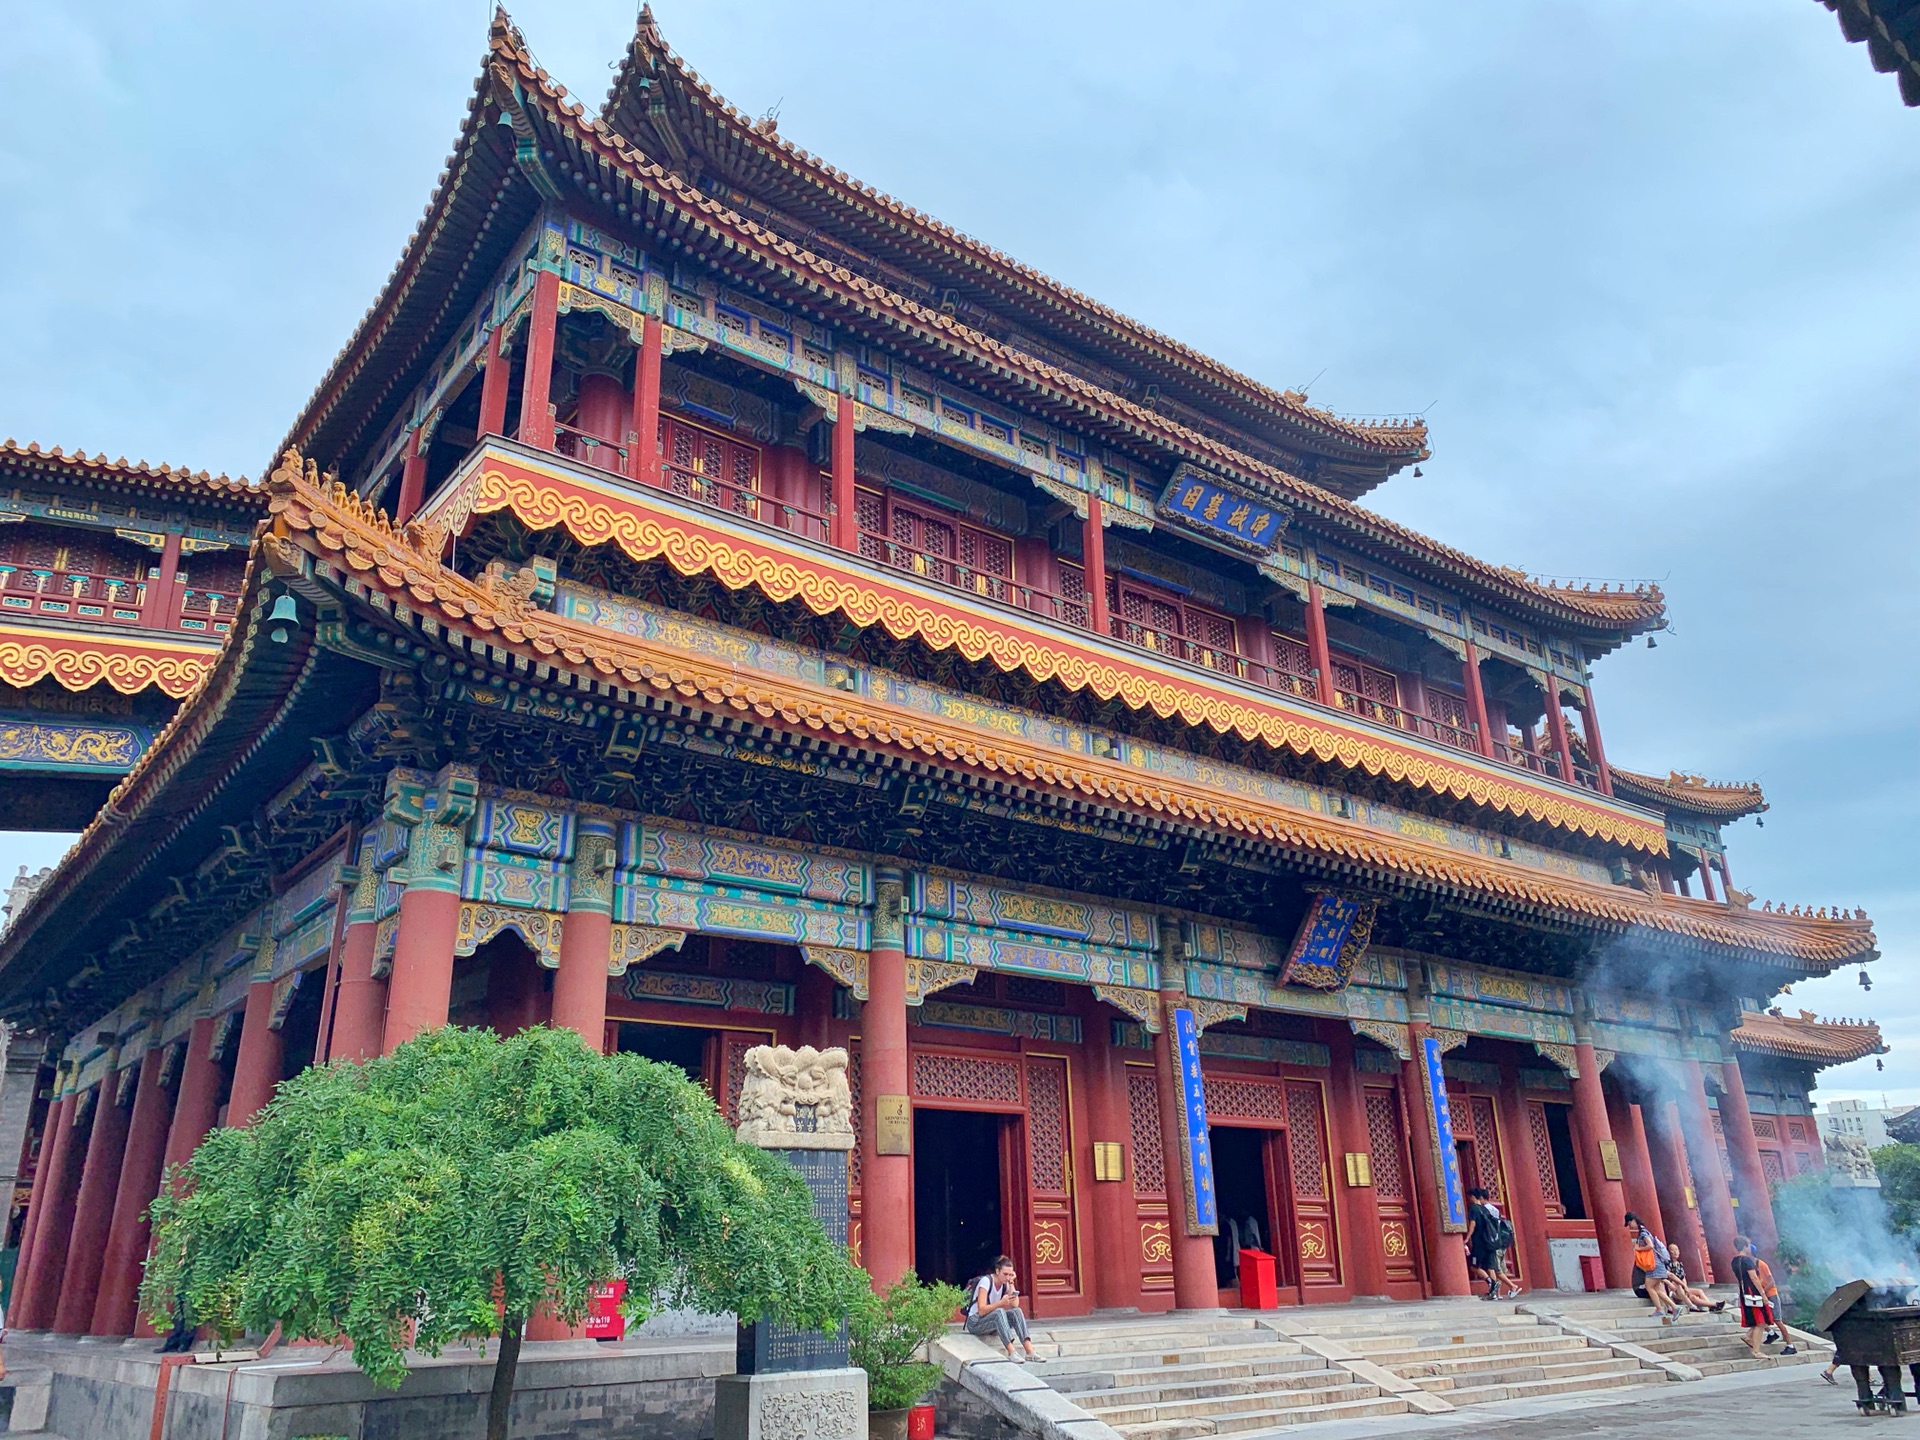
x,y
1648,266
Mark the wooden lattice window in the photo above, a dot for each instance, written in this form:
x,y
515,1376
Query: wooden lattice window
x,y
1143,1113
937,546
1237,1097
1047,1125
1446,707
711,468
853,1090
1160,620
1764,1127
1486,1147
1304,1148
1383,1143
1367,691
966,1077
1771,1166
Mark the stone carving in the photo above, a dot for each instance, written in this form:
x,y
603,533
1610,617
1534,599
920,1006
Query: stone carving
x,y
796,1099
807,1415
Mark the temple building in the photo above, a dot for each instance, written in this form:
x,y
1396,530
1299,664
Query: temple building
x,y
708,601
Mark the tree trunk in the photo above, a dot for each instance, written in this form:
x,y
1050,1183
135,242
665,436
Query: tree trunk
x,y
500,1401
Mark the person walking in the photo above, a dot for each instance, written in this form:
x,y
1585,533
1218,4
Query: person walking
x,y
1650,1255
1489,1238
995,1309
1756,1307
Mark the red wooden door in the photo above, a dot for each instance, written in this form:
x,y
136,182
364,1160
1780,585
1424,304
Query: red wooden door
x,y
1150,1182
1393,1191
1053,1247
711,468
1316,1239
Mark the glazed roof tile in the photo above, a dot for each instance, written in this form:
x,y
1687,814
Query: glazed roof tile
x,y
1891,30
632,107
1690,794
54,462
1807,1037
477,190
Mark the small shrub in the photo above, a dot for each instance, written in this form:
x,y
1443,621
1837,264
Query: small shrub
x,y
889,1334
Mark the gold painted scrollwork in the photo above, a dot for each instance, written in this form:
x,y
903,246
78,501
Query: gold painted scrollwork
x,y
1142,1005
480,923
1156,1242
1388,1033
635,943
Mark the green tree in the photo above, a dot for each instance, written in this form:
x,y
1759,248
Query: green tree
x,y
888,1334
442,1193
1899,1170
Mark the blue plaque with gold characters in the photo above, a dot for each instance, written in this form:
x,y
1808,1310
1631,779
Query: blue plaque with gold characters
x,y
1196,1150
1332,939
1200,503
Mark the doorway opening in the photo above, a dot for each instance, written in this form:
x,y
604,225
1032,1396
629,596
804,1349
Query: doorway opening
x,y
958,1221
1246,1205
682,1045
1566,1171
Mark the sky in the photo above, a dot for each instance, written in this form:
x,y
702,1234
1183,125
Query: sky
x,y
1647,266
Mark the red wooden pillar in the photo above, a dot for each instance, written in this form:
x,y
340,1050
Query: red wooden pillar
x,y
1716,1202
1706,878
1743,1148
1317,646
1636,1168
413,479
1116,1248
1476,699
643,448
1195,1286
54,1189
1679,1203
1590,731
360,997
586,938
604,412
494,383
420,989
199,1098
157,612
846,520
93,1211
1093,560
1606,1199
256,1070
36,1199
536,389
1528,1200
1359,1208
886,1181
127,1233
1557,728
1446,1252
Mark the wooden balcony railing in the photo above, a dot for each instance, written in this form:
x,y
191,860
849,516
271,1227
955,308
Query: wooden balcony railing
x,y
749,503
73,594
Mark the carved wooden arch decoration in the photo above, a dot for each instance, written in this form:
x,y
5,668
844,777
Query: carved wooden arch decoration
x,y
481,923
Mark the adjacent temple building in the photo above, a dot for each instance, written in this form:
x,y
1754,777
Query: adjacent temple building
x,y
708,601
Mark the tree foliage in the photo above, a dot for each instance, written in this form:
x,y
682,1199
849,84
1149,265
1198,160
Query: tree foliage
x,y
443,1192
888,1335
1898,1166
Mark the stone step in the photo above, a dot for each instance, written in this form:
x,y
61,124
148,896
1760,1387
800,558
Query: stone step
x,y
1221,1390
1145,1359
1536,1389
1394,1356
1147,1325
1222,1411
1166,1343
1584,1362
1253,1424
1078,1379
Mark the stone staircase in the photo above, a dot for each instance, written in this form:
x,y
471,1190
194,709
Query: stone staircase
x,y
1711,1344
1467,1352
1154,1378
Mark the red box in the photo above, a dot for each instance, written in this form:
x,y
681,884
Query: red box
x,y
1592,1276
920,1423
604,1320
1259,1290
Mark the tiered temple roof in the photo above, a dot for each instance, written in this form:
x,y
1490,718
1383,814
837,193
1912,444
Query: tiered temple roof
x,y
1891,30
1808,1037
485,200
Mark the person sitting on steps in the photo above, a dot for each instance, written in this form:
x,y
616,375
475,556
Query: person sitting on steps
x,y
995,1308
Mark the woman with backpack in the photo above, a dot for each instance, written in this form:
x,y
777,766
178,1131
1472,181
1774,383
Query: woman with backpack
x,y
993,1309
1489,1238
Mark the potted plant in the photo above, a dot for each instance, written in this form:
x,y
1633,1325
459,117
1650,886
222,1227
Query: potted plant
x,y
888,1337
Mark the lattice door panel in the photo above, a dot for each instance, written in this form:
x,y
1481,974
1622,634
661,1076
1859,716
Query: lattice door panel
x,y
1149,1181
1486,1135
710,468
1215,644
977,1082
1541,1143
1392,1185
1446,707
1314,1231
1242,1097
1772,1166
1050,1227
853,1156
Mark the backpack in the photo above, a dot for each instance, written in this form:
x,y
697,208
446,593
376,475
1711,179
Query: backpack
x,y
1500,1233
973,1293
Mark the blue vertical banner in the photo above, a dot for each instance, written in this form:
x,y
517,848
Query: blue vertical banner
x,y
1203,1209
1442,1118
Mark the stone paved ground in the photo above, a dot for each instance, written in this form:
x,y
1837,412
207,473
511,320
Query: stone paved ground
x,y
1787,1404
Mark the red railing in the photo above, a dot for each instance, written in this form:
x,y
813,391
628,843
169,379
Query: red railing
x,y
743,501
74,594
749,503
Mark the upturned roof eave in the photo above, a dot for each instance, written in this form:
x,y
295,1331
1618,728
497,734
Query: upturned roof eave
x,y
974,263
